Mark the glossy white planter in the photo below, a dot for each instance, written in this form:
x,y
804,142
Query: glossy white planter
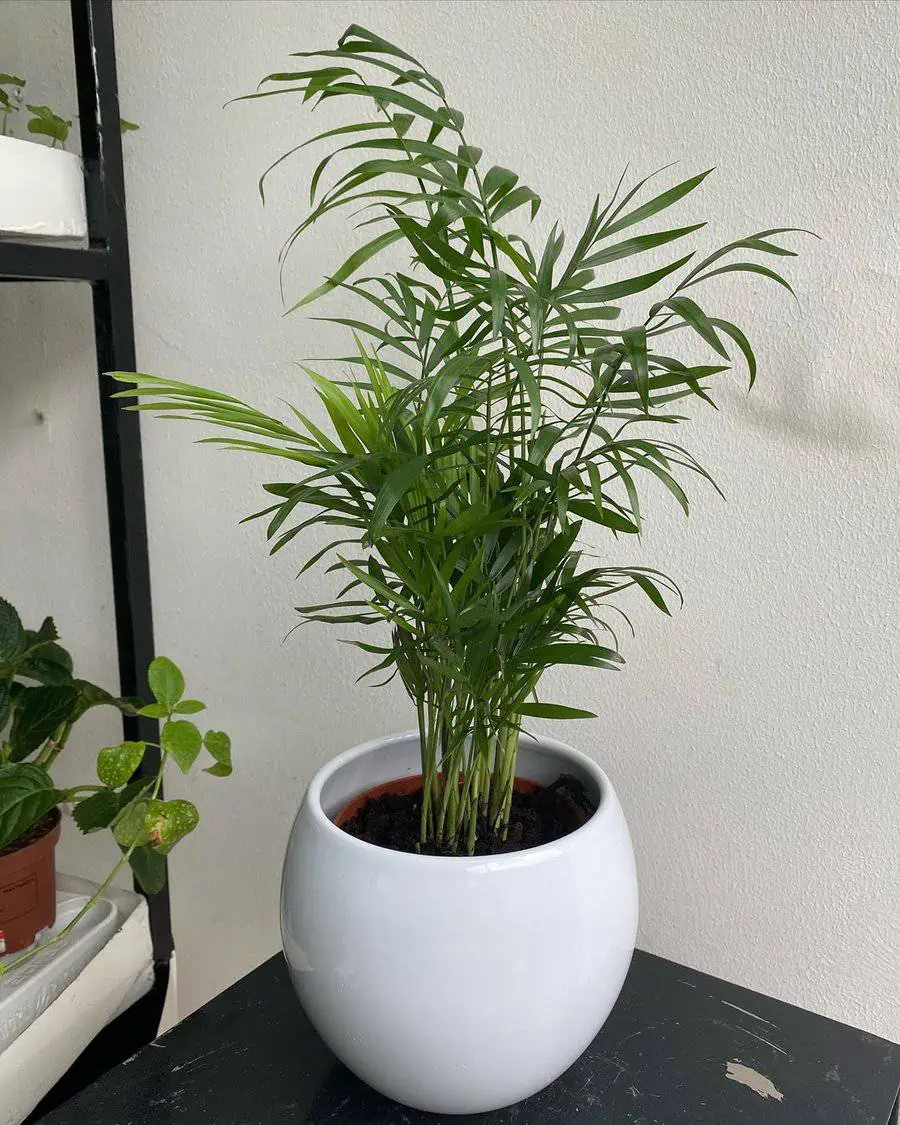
x,y
41,191
457,984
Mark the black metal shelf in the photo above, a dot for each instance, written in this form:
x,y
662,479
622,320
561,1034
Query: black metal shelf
x,y
104,264
28,261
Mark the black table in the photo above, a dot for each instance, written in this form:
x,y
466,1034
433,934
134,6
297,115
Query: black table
x,y
664,1057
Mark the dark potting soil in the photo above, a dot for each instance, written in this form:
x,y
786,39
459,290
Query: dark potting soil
x,y
392,820
41,828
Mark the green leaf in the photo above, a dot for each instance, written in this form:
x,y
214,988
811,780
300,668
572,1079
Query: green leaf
x,y
43,669
182,741
350,266
650,589
498,300
218,744
155,710
532,390
499,180
130,826
168,822
693,315
97,811
127,126
635,341
190,707
606,516
553,554
48,123
745,267
741,340
149,868
592,656
39,712
5,703
26,794
655,205
116,764
514,199
617,289
166,681
45,635
12,635
555,711
390,494
636,245
90,695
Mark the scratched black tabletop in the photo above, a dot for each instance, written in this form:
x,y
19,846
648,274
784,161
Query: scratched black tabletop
x,y
680,1048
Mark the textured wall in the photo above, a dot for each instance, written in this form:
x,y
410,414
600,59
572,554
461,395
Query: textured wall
x,y
753,737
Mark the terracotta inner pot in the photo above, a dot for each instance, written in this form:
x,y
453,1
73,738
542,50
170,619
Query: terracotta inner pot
x,y
28,889
401,787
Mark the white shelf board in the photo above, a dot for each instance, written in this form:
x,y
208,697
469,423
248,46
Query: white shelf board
x,y
118,974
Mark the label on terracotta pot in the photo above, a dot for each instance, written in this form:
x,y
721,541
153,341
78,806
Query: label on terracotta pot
x,y
18,898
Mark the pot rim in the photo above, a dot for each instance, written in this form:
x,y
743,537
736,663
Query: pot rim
x,y
26,855
57,153
458,863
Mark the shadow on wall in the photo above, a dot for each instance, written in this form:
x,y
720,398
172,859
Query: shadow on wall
x,y
796,415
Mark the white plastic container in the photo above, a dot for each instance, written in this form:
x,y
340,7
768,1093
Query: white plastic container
x,y
41,191
457,984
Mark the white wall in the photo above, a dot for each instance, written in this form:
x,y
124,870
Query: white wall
x,y
753,738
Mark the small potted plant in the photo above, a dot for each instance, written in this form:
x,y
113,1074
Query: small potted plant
x,y
459,902
43,184
41,700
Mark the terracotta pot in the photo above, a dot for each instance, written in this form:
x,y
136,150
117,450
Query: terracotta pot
x,y
28,889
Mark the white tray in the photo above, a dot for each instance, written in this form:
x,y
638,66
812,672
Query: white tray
x,y
115,976
31,987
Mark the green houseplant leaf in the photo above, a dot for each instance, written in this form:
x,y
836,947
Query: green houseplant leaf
x,y
182,740
166,681
218,744
26,794
12,635
116,764
39,713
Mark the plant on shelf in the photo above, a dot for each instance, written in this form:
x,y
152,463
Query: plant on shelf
x,y
10,98
46,123
41,701
42,120
494,410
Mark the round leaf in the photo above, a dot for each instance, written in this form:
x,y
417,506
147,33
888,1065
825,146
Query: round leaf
x,y
168,822
149,869
130,827
154,711
182,741
166,681
218,744
190,707
116,764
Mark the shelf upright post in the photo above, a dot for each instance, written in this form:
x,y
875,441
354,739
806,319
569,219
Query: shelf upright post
x,y
101,145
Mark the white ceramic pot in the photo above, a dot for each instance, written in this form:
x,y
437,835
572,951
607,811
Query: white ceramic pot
x,y
41,191
457,984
